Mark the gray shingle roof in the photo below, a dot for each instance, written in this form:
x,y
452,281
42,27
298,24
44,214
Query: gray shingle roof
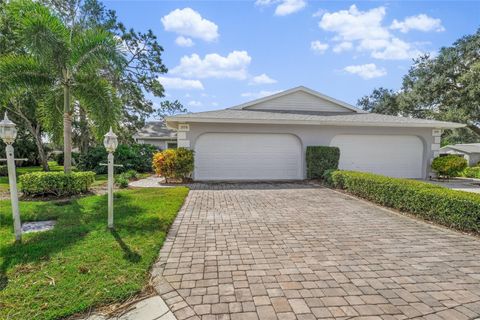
x,y
346,118
466,147
156,129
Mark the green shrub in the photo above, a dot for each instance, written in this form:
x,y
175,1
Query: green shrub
x,y
456,209
321,158
468,172
123,179
136,157
60,159
3,171
56,183
174,163
449,166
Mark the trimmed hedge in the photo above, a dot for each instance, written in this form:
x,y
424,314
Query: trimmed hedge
x,y
56,183
456,209
320,159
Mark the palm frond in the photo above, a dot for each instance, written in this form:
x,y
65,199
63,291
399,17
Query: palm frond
x,y
41,31
98,98
23,71
93,48
50,113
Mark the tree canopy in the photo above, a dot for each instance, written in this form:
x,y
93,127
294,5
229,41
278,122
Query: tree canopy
x,y
94,72
443,87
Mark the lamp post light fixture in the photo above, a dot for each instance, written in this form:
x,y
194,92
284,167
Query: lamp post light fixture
x,y
111,143
8,133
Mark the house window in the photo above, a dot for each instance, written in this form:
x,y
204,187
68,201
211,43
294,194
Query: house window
x,y
171,145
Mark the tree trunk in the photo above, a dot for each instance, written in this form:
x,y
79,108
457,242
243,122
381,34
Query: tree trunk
x,y
84,137
36,132
67,126
41,153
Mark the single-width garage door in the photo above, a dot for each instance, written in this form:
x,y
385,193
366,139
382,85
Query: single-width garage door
x,y
395,156
245,156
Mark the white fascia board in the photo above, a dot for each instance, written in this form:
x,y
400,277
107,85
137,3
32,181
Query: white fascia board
x,y
325,123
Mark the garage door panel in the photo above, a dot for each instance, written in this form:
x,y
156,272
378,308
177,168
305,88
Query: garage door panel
x,y
395,156
241,156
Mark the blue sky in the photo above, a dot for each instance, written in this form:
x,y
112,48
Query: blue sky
x,y
222,53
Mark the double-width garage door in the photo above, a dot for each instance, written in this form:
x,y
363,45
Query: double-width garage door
x,y
395,156
245,156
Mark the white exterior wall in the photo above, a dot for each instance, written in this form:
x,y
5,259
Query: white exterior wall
x,y
310,135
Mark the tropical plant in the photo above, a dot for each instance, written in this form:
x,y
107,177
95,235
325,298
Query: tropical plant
x,y
173,163
69,61
135,78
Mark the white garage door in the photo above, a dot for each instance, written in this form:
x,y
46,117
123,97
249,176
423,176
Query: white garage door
x,y
242,156
395,156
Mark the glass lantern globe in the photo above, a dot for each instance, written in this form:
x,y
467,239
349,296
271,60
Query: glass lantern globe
x,y
8,130
110,141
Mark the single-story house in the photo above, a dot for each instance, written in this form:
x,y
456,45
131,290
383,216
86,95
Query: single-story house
x,y
156,133
266,139
470,151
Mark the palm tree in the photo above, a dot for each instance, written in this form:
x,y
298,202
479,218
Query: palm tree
x,y
71,60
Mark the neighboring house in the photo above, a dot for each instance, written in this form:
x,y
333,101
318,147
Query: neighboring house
x,y
266,139
470,151
157,134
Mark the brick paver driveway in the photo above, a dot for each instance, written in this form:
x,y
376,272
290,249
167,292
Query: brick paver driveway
x,y
293,251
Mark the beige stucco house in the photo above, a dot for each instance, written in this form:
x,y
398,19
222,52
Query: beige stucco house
x,y
265,139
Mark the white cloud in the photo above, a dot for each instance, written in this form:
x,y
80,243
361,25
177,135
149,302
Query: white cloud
x,y
353,24
188,22
284,7
396,49
179,83
259,94
365,31
343,46
318,46
420,22
262,79
366,71
289,6
213,65
195,103
184,42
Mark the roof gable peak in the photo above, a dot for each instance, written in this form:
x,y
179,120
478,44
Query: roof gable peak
x,y
304,99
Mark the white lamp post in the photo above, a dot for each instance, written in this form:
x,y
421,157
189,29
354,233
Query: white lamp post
x,y
8,133
110,142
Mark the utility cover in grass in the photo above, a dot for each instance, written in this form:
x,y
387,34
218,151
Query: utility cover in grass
x,y
38,226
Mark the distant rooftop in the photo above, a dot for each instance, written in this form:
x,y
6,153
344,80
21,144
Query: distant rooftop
x,y
155,130
464,147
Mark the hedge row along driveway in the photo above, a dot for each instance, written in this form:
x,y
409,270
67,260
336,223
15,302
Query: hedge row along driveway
x,y
455,209
81,263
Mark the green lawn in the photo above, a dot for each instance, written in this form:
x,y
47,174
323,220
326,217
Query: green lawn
x,y
81,263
